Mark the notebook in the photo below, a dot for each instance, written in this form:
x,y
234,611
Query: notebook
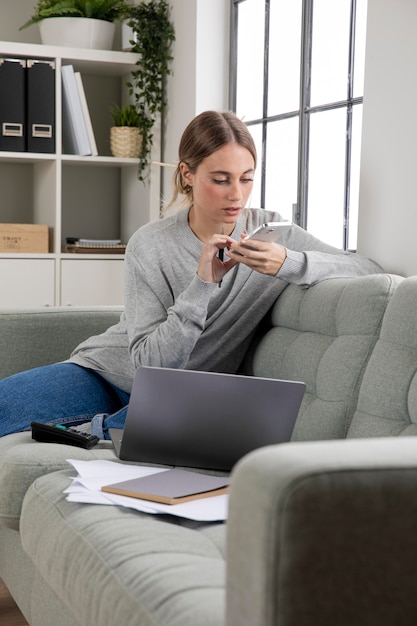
x,y
204,419
172,486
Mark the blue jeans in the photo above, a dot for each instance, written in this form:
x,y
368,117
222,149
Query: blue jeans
x,y
63,393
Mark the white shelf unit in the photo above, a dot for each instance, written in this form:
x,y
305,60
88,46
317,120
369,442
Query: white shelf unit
x,y
90,197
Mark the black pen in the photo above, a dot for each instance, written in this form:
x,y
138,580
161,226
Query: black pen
x,y
221,257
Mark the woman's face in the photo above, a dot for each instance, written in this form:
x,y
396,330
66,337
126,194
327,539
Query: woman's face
x,y
221,184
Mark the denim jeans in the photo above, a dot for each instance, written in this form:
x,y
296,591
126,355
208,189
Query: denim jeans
x,y
62,393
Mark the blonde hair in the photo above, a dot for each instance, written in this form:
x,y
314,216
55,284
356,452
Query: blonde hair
x,y
205,134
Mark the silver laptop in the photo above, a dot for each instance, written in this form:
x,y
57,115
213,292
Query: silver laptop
x,y
204,419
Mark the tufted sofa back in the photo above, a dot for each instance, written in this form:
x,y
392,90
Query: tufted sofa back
x,y
387,403
324,336
33,337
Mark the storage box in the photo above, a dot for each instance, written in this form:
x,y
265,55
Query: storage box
x,y
24,238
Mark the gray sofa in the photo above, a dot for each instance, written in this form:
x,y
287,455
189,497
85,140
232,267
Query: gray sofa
x,y
321,531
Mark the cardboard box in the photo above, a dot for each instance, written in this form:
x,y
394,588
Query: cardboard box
x,y
24,238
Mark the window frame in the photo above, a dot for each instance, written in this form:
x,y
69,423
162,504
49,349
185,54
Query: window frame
x,y
305,111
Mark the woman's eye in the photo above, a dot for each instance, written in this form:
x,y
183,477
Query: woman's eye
x,y
226,181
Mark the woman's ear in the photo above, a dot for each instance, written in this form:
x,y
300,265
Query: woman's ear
x,y
186,175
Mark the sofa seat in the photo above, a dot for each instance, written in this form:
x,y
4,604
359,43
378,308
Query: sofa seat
x,y
23,460
122,566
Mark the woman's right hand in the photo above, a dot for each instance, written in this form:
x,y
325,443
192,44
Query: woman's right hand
x,y
211,268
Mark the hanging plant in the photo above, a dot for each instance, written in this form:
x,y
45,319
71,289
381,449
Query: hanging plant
x,y
153,35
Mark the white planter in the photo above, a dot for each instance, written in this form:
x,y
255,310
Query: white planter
x,y
77,32
127,36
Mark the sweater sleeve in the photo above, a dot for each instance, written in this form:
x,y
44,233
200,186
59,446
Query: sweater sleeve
x,y
162,329
310,260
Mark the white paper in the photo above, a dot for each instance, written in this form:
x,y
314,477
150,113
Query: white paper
x,y
93,475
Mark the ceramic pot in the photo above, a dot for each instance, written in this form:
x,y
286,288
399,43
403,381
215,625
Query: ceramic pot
x,y
77,32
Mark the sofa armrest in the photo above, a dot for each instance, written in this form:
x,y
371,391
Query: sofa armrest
x,y
324,533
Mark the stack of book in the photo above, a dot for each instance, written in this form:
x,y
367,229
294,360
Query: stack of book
x,y
95,246
77,129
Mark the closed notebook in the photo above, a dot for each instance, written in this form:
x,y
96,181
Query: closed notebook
x,y
171,486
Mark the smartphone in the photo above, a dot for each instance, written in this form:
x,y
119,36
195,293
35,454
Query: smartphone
x,y
267,232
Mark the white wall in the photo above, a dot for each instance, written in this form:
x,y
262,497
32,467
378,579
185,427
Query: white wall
x,y
388,202
200,69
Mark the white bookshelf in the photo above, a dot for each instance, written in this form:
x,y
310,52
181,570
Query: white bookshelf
x,y
96,197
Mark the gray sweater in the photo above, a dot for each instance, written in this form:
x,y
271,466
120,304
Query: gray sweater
x,y
172,318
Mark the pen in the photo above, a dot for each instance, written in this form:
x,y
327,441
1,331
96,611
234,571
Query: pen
x,y
221,256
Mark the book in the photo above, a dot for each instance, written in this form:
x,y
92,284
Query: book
x,y
95,246
74,128
172,486
87,117
91,249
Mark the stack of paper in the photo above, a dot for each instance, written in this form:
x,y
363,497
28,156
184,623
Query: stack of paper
x,y
94,475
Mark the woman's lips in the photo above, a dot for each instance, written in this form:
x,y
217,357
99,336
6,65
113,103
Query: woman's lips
x,y
232,210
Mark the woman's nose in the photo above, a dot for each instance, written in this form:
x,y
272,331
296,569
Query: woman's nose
x,y
235,191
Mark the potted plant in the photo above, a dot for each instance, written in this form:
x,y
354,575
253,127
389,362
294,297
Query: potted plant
x,y
125,135
153,35
78,23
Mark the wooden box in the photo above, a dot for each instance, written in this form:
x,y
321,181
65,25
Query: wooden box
x,y
24,238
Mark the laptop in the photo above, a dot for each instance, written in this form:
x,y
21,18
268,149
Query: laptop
x,y
204,420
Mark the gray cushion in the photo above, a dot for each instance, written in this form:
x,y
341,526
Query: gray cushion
x,y
324,336
22,460
124,567
387,402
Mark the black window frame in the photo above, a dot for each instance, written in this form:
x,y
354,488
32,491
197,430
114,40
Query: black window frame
x,y
300,208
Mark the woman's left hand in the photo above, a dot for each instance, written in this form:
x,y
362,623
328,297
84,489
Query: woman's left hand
x,y
261,256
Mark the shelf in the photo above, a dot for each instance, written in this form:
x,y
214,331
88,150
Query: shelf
x,y
25,157
74,159
107,62
94,197
27,255
79,256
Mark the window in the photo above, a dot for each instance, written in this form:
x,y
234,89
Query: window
x,y
297,80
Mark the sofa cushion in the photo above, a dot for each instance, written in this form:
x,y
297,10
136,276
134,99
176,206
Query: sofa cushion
x,y
324,336
122,566
387,403
22,460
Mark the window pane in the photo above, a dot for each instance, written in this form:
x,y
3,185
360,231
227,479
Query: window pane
x,y
327,176
330,51
282,166
284,56
250,60
360,43
354,177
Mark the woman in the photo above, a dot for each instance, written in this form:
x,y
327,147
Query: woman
x,y
188,305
